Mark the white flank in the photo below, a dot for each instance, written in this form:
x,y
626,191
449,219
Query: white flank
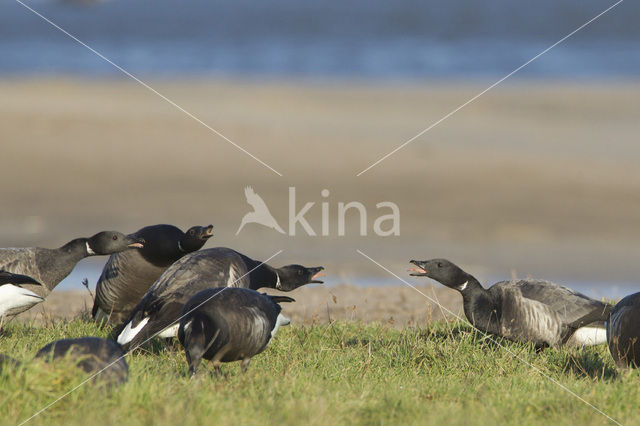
x,y
169,332
231,281
12,297
280,321
463,286
90,251
588,336
129,333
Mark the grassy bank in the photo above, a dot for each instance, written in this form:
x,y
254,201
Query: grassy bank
x,y
338,373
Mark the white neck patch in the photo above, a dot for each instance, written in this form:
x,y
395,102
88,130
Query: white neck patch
x,y
180,247
463,286
90,251
278,283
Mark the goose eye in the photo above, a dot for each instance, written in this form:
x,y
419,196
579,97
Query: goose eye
x,y
439,264
191,232
115,237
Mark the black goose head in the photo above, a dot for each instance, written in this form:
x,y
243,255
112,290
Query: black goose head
x,y
291,277
109,242
195,238
441,270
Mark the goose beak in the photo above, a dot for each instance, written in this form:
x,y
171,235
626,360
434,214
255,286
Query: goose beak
x,y
207,232
419,271
136,242
317,274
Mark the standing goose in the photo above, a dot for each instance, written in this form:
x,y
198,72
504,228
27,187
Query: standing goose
x,y
623,332
159,310
540,312
13,297
92,355
229,324
50,266
128,275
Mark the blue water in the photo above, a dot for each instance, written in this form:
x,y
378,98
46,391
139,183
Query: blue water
x,y
403,39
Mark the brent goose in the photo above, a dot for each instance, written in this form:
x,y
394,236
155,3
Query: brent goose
x,y
127,275
50,266
92,355
229,324
623,332
13,297
159,309
540,312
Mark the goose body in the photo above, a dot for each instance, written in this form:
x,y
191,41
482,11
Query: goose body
x,y
92,355
536,311
127,275
14,298
229,324
623,332
50,266
160,307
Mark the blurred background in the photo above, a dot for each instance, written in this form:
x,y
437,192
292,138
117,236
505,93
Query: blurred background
x,y
538,177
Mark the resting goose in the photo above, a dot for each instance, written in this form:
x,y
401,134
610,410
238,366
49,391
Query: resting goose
x,y
540,312
623,332
92,355
127,275
50,266
229,324
13,297
159,310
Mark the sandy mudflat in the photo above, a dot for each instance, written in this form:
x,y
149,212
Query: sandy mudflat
x,y
537,179
395,306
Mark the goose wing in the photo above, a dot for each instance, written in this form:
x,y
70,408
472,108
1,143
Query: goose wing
x,y
20,261
528,320
573,308
16,279
217,266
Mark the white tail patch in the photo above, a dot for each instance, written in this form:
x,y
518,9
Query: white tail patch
x,y
588,336
14,297
129,333
280,321
169,332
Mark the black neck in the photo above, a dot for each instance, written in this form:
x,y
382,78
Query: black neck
x,y
479,307
56,264
263,276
